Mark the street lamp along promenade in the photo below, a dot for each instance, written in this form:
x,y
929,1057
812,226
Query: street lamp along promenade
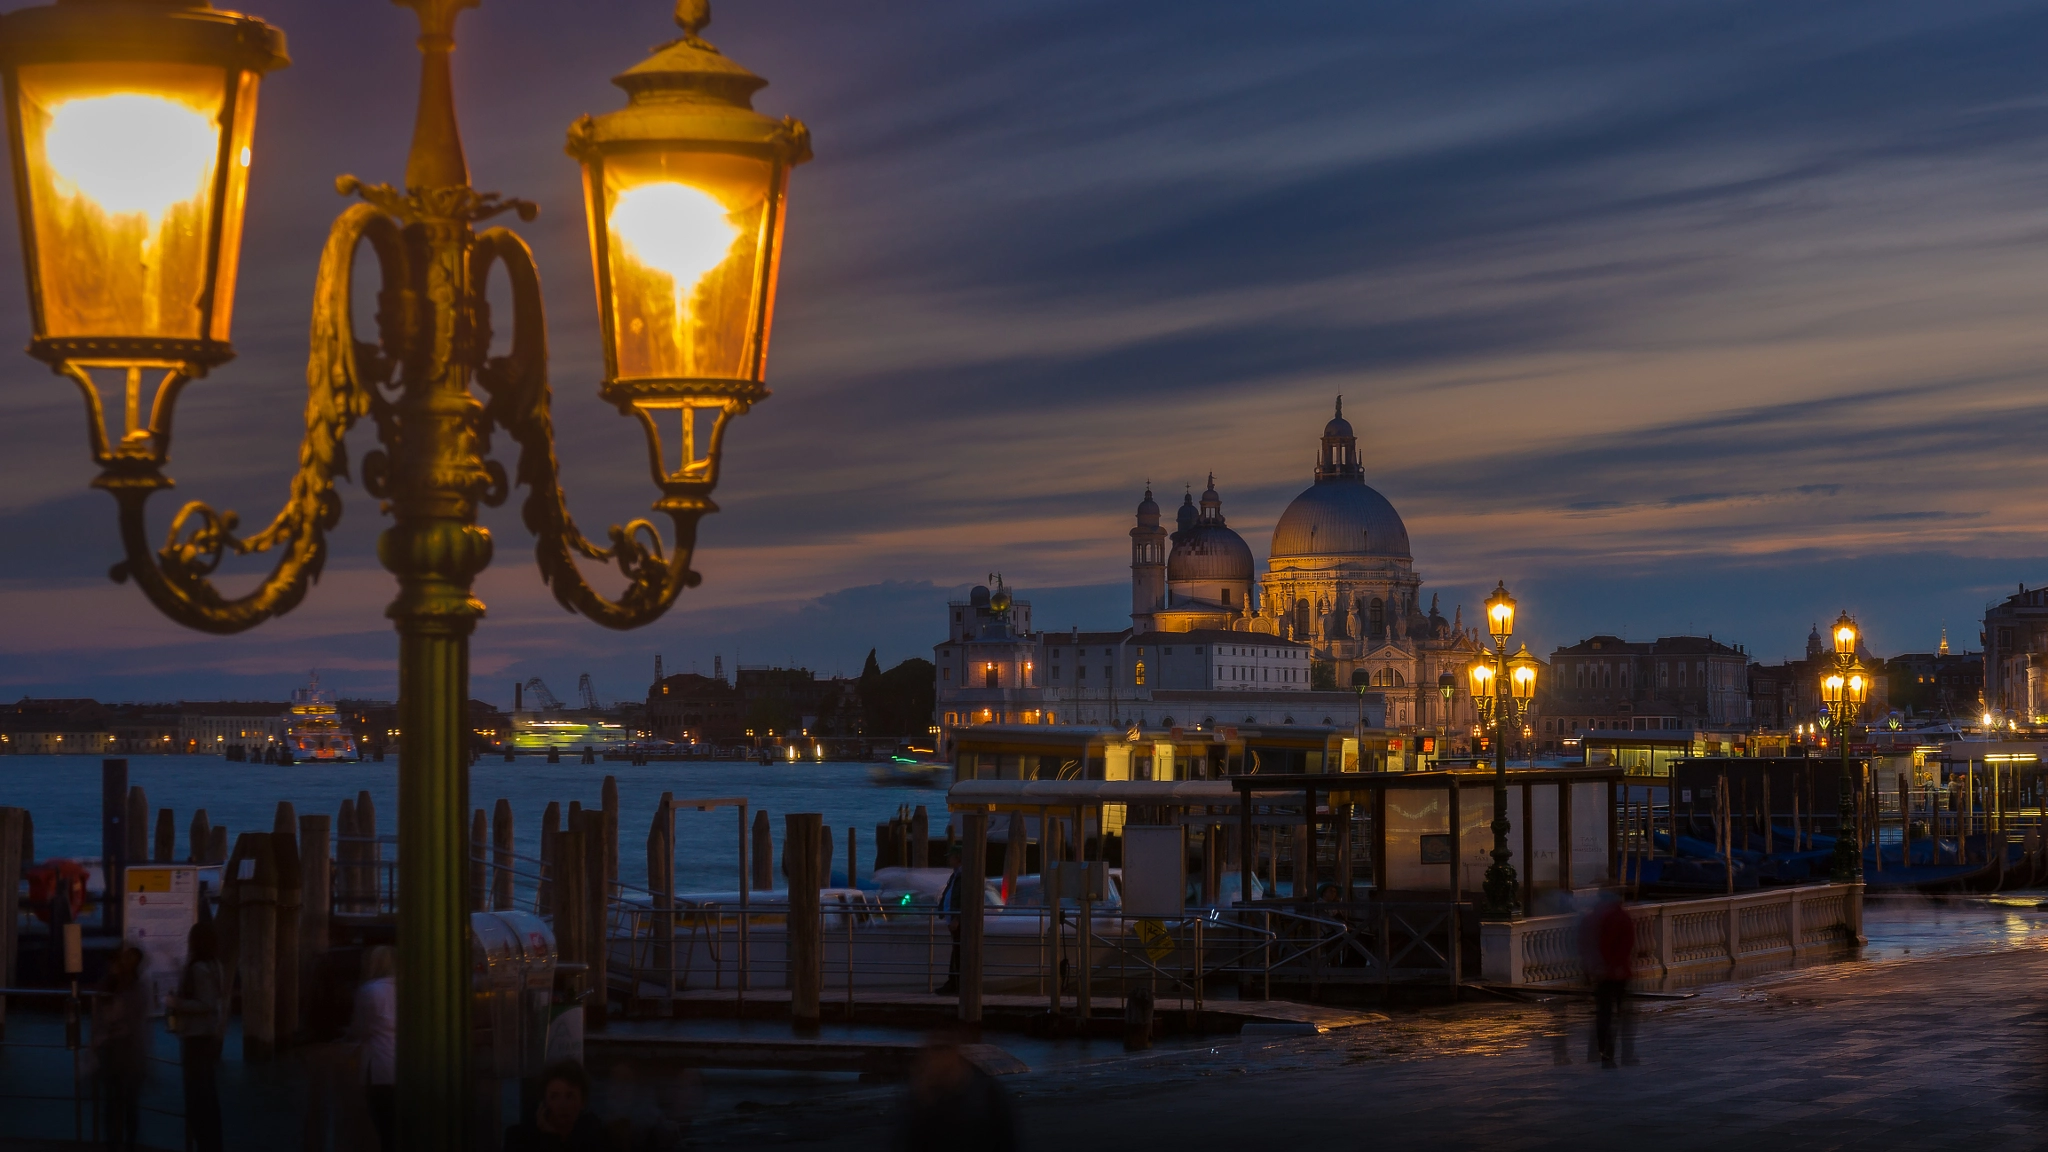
x,y
131,125
1502,688
1843,689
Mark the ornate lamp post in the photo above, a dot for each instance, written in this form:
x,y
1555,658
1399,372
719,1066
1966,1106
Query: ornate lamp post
x,y
1502,688
131,124
1843,689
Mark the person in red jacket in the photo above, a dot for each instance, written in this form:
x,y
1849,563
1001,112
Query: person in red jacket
x,y
1607,948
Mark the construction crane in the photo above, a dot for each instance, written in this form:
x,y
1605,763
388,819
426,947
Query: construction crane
x,y
588,692
538,693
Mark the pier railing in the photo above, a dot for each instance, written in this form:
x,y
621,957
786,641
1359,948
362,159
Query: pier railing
x,y
694,951
1680,935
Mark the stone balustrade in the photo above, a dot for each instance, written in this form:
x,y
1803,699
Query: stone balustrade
x,y
1677,935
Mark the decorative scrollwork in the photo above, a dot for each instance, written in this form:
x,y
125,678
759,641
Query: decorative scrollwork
x,y
341,383
521,403
459,202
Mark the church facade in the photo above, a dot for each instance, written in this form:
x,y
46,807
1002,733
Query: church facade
x,y
1215,641
1340,579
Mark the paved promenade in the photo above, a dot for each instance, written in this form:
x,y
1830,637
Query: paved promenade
x,y
1941,1052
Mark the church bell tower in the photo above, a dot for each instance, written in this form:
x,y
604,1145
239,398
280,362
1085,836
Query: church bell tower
x,y
1148,564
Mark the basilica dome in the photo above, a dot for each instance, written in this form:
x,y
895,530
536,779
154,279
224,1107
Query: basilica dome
x,y
1340,517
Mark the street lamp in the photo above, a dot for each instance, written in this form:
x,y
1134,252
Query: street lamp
x,y
131,124
1502,689
1843,689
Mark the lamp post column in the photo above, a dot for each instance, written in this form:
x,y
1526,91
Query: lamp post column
x,y
434,477
1500,875
1847,865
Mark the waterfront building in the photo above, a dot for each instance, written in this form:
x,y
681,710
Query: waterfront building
x,y
1785,696
217,725
1671,684
2015,640
690,708
1937,683
993,670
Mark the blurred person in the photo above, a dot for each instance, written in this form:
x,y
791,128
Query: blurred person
x,y
949,904
951,1104
1607,949
562,1122
200,1009
120,1042
373,1024
336,1112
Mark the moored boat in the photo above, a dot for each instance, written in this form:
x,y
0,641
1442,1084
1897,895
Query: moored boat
x,y
316,732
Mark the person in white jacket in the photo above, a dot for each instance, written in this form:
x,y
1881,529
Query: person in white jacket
x,y
374,1025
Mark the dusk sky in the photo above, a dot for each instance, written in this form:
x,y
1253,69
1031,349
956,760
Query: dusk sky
x,y
1686,317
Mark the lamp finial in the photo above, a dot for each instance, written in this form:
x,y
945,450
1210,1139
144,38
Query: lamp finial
x,y
692,16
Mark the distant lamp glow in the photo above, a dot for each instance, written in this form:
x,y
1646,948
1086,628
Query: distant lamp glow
x,y
1989,720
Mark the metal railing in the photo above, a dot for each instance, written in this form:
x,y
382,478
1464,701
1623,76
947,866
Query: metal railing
x,y
880,949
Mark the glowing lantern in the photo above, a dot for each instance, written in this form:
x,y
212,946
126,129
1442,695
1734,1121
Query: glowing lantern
x,y
684,192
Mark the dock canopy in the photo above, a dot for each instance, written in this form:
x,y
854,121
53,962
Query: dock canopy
x,y
1004,795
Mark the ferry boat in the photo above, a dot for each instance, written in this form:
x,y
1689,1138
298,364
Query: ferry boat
x,y
315,731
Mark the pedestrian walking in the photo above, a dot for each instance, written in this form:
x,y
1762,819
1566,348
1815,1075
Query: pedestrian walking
x,y
337,1115
1607,949
120,1042
373,1025
199,1014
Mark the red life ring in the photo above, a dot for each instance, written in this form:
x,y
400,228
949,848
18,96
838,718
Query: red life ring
x,y
42,886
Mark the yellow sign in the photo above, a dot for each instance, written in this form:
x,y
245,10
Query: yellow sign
x,y
1157,940
149,879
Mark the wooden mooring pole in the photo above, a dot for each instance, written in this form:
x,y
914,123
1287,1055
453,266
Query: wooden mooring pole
x,y
800,843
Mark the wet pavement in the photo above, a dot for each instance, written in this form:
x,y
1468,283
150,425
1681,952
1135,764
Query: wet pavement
x,y
1934,1036
1942,1047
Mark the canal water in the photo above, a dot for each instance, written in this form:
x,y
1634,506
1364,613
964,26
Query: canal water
x,y
63,794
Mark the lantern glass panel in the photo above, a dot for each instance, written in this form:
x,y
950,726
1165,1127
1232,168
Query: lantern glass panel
x,y
122,161
685,236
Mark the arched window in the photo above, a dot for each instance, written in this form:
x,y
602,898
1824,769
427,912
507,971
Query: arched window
x,y
1378,613
1140,672
1226,597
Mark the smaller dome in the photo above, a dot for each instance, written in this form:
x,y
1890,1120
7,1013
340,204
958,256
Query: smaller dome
x,y
1000,602
1210,552
979,597
1187,515
1148,509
